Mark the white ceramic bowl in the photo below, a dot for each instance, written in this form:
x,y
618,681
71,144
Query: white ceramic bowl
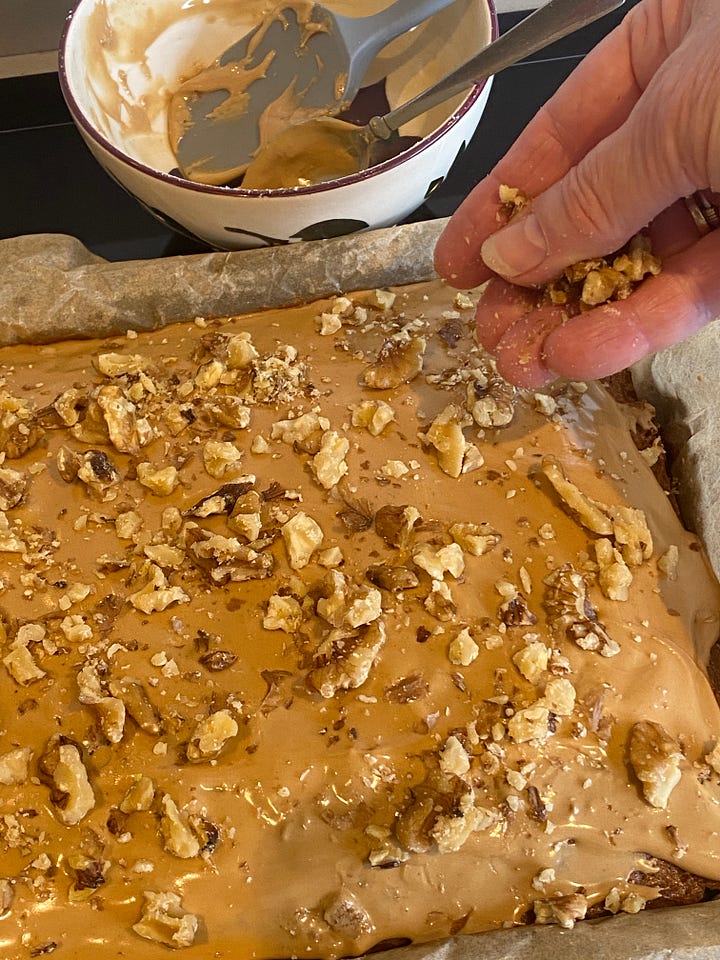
x,y
121,60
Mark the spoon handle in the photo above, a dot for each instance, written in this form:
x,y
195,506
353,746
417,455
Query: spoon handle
x,y
554,20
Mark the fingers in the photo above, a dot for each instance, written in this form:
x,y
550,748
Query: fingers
x,y
534,346
575,158
662,311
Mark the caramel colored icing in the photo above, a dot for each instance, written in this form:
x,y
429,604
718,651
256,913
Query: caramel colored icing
x,y
236,79
307,644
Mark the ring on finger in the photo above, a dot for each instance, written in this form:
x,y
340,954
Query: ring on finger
x,y
705,214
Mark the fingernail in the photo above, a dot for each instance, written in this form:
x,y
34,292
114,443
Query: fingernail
x,y
516,249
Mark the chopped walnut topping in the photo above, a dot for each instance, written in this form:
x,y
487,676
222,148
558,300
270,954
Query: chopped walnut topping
x,y
71,794
374,415
531,723
226,559
21,666
476,539
139,797
159,480
446,436
346,915
399,361
395,524
211,735
532,660
345,662
128,432
614,577
571,613
220,457
180,839
463,650
668,563
451,832
490,399
111,710
302,536
300,429
163,920
156,594
559,696
565,910
283,613
14,766
13,485
89,875
655,757
392,578
626,526
437,563
453,758
328,464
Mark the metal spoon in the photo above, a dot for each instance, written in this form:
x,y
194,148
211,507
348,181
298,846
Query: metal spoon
x,y
301,61
327,148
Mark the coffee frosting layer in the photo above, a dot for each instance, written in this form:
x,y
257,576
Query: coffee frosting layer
x,y
317,635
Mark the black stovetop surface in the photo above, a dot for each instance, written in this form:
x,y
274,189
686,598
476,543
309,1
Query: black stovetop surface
x,y
50,183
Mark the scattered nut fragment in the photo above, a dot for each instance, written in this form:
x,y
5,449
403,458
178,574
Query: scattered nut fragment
x,y
669,562
565,910
454,758
283,613
559,696
347,916
532,660
655,757
346,665
374,415
437,563
111,710
138,797
21,666
220,457
163,920
180,839
14,766
463,650
89,873
399,361
211,736
128,432
328,464
71,793
614,576
452,831
626,526
476,539
302,536
13,485
531,723
159,480
490,399
395,524
156,594
445,434
571,613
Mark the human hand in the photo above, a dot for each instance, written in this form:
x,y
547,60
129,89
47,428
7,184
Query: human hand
x,y
634,129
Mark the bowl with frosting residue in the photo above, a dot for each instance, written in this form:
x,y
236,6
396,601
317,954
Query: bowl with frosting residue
x,y
121,61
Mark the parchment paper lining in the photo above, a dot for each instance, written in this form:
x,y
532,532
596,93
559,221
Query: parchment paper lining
x,y
52,288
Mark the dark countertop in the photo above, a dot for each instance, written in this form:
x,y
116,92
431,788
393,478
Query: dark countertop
x,y
50,183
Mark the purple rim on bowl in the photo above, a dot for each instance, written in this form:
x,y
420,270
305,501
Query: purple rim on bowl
x,y
359,177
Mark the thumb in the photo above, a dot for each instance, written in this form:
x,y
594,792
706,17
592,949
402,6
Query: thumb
x,y
613,192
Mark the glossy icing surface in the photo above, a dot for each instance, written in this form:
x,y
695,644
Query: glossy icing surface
x,y
287,666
